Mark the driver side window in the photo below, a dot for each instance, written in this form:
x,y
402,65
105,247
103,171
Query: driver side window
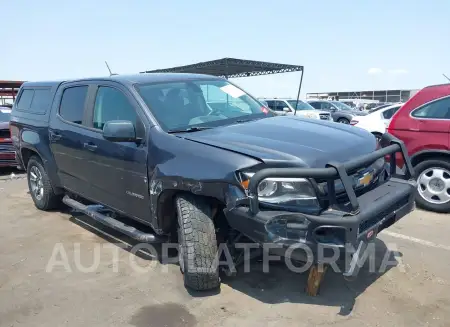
x,y
112,104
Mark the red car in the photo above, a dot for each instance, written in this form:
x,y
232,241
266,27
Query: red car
x,y
7,153
423,124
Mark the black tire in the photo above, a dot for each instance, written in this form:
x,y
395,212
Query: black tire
x,y
197,243
420,201
343,121
48,200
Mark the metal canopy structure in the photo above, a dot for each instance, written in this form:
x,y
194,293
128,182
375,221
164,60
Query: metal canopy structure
x,y
8,90
234,68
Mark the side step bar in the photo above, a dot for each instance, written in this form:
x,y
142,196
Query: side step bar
x,y
93,212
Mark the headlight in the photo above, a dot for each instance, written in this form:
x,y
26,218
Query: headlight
x,y
284,191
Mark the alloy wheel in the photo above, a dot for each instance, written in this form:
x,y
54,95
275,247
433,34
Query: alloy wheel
x,y
433,185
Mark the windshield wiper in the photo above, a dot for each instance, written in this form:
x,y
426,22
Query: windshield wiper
x,y
188,130
245,120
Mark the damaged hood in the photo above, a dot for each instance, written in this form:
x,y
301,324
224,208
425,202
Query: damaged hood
x,y
308,142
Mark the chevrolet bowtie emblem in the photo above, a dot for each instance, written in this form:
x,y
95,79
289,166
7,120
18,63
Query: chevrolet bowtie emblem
x,y
365,180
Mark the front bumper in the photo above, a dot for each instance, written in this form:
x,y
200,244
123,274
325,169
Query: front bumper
x,y
336,229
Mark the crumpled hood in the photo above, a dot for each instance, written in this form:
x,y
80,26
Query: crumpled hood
x,y
303,141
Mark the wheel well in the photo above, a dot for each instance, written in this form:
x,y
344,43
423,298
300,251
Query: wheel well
x,y
26,155
167,215
430,155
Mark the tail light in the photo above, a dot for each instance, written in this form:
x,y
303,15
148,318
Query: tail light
x,y
354,122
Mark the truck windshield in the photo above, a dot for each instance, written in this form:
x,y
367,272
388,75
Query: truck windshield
x,y
301,105
211,103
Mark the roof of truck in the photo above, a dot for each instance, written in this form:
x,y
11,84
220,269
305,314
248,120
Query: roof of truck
x,y
132,79
159,77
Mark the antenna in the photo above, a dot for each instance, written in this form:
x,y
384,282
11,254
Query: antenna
x,y
110,73
446,77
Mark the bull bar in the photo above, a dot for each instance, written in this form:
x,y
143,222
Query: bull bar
x,y
334,170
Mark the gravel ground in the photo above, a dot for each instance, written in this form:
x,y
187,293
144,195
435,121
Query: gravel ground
x,y
136,290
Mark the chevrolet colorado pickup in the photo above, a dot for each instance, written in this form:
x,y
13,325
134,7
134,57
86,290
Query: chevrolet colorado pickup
x,y
149,147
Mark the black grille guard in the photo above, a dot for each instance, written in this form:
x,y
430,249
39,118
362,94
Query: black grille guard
x,y
334,170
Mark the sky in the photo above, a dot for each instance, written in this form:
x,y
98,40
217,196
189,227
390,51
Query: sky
x,y
344,45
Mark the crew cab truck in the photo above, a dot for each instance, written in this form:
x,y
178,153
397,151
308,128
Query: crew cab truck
x,y
149,147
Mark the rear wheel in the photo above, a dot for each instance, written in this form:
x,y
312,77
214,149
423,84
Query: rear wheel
x,y
197,243
343,121
41,190
433,185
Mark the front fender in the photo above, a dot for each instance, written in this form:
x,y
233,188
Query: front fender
x,y
187,166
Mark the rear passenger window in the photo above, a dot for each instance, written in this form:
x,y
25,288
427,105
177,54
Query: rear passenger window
x,y
34,100
72,104
41,101
25,99
439,109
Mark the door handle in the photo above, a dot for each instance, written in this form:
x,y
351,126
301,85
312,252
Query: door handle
x,y
55,136
90,146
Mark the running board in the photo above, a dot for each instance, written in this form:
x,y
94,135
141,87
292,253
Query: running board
x,y
93,212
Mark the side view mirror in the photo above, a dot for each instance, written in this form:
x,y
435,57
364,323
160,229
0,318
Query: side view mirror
x,y
119,131
286,109
333,109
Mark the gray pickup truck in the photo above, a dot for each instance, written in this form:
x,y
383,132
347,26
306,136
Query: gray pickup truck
x,y
151,148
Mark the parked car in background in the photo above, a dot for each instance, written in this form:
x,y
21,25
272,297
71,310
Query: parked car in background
x,y
288,107
423,124
380,106
369,106
377,121
340,112
7,153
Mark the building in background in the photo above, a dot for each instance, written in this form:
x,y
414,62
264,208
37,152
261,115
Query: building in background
x,y
366,96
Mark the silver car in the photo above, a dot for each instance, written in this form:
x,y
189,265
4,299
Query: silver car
x,y
339,111
289,107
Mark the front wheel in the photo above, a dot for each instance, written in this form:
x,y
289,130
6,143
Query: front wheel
x,y
433,185
343,121
197,243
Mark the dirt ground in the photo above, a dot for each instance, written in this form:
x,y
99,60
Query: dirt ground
x,y
135,290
